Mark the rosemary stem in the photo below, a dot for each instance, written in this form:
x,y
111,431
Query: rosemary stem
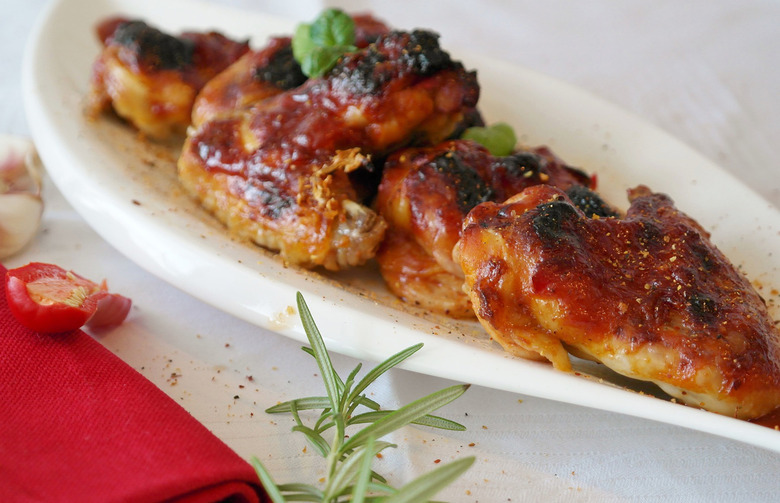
x,y
335,446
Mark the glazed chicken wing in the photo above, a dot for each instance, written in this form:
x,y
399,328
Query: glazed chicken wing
x,y
263,73
278,172
151,78
648,295
424,196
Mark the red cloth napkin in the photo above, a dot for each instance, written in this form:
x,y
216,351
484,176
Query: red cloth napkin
x,y
78,424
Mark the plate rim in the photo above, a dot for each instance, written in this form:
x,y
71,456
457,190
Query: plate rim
x,y
53,149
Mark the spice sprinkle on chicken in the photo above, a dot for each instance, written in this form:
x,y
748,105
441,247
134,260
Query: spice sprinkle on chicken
x,y
280,171
648,295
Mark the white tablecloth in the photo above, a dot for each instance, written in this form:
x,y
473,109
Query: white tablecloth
x,y
705,71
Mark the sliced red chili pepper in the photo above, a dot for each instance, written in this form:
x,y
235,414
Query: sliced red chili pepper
x,y
47,298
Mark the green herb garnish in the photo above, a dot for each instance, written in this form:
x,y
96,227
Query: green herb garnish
x,y
349,457
499,138
319,45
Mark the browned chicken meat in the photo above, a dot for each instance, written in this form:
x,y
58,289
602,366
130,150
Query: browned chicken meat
x,y
280,172
151,78
648,295
263,73
424,196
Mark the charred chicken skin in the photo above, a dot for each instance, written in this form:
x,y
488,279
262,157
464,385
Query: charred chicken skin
x,y
278,172
266,72
151,78
648,295
425,195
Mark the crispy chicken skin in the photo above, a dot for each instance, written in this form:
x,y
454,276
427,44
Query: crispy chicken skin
x,y
278,172
151,78
262,73
424,196
648,295
257,75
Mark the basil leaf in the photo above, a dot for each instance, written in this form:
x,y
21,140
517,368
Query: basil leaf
x,y
302,43
333,28
320,59
499,139
318,46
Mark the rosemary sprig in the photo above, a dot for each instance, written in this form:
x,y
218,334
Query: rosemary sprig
x,y
349,459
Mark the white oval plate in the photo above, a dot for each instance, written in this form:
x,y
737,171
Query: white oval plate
x,y
127,191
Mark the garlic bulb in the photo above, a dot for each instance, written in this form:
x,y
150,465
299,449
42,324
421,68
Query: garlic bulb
x,y
21,205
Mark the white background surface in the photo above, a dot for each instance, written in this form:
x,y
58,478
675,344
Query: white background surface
x,y
706,72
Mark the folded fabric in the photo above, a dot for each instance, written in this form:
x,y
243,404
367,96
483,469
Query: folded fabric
x,y
78,424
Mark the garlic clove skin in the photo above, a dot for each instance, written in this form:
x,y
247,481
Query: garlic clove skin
x,y
21,205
